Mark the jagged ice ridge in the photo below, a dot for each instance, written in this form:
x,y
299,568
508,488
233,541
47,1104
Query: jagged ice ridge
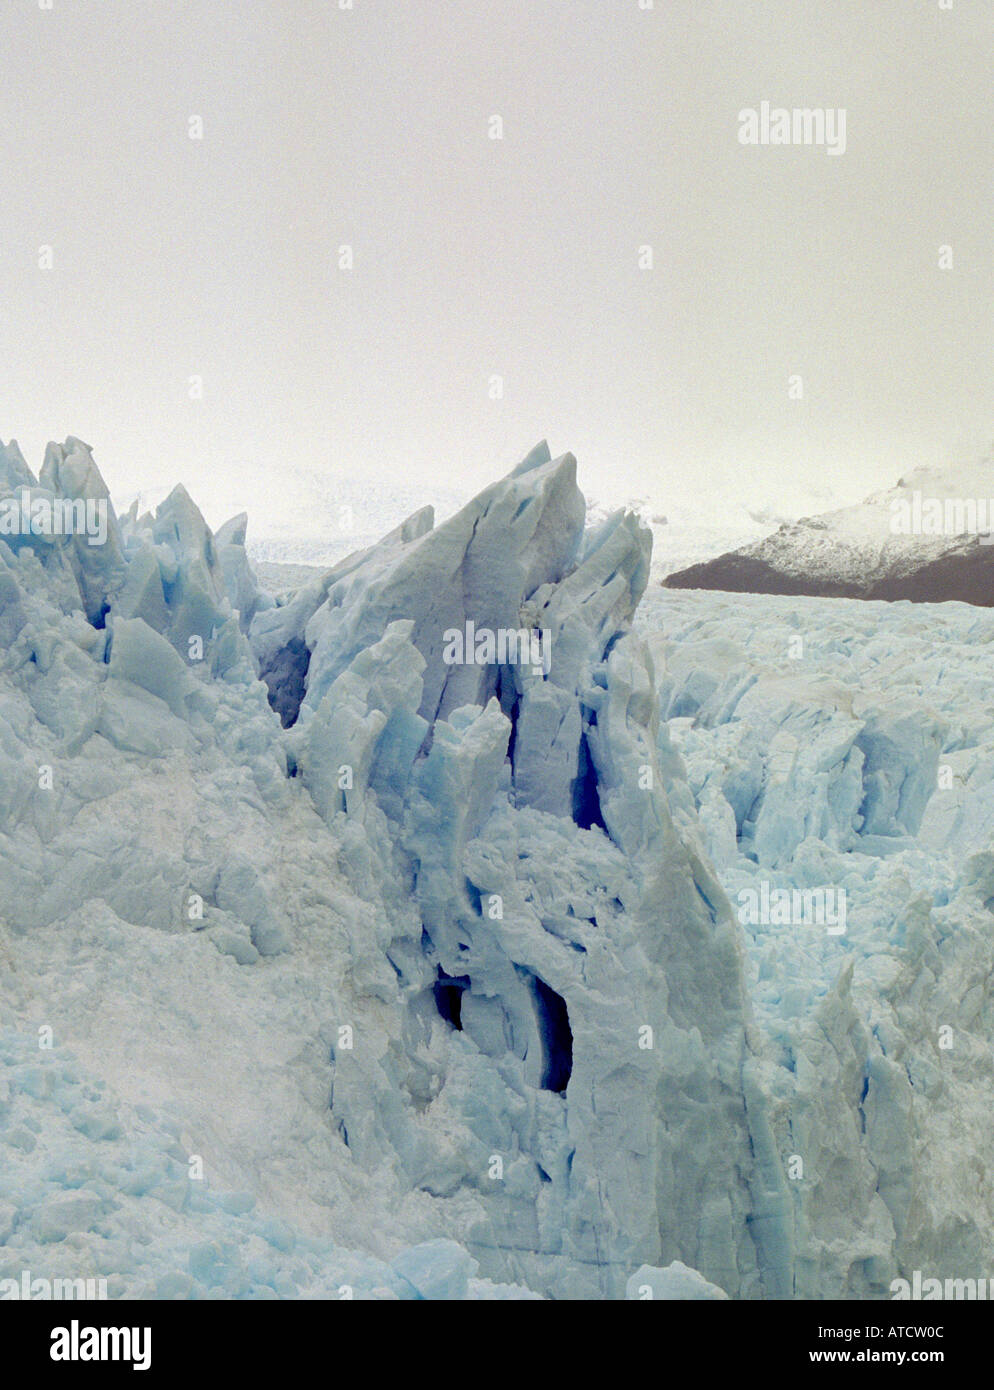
x,y
468,1011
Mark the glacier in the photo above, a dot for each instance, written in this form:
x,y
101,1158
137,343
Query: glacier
x,y
330,968
849,743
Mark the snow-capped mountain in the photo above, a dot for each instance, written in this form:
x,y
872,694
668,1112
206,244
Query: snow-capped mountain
x,y
928,539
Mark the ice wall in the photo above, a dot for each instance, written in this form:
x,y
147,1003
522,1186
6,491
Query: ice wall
x,y
454,929
578,958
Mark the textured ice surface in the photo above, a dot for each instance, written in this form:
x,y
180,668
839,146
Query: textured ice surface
x,y
837,742
536,894
675,1282
437,969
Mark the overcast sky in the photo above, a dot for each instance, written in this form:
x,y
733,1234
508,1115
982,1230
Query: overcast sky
x,y
477,258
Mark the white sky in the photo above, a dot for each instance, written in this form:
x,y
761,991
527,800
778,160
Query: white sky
x,y
517,257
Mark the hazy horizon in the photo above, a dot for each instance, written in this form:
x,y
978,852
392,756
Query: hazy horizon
x,y
218,258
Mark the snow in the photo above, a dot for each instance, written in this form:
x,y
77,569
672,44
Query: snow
x,y
329,968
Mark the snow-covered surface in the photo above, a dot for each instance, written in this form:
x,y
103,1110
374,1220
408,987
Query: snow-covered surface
x,y
444,981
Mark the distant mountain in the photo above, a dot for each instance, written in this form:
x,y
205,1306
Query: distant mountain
x,y
927,540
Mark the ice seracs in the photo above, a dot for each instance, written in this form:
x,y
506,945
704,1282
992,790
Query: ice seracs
x,y
537,892
433,965
857,763
520,1071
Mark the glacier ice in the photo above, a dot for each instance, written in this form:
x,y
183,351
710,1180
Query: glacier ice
x,y
675,1282
859,758
475,781
436,966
